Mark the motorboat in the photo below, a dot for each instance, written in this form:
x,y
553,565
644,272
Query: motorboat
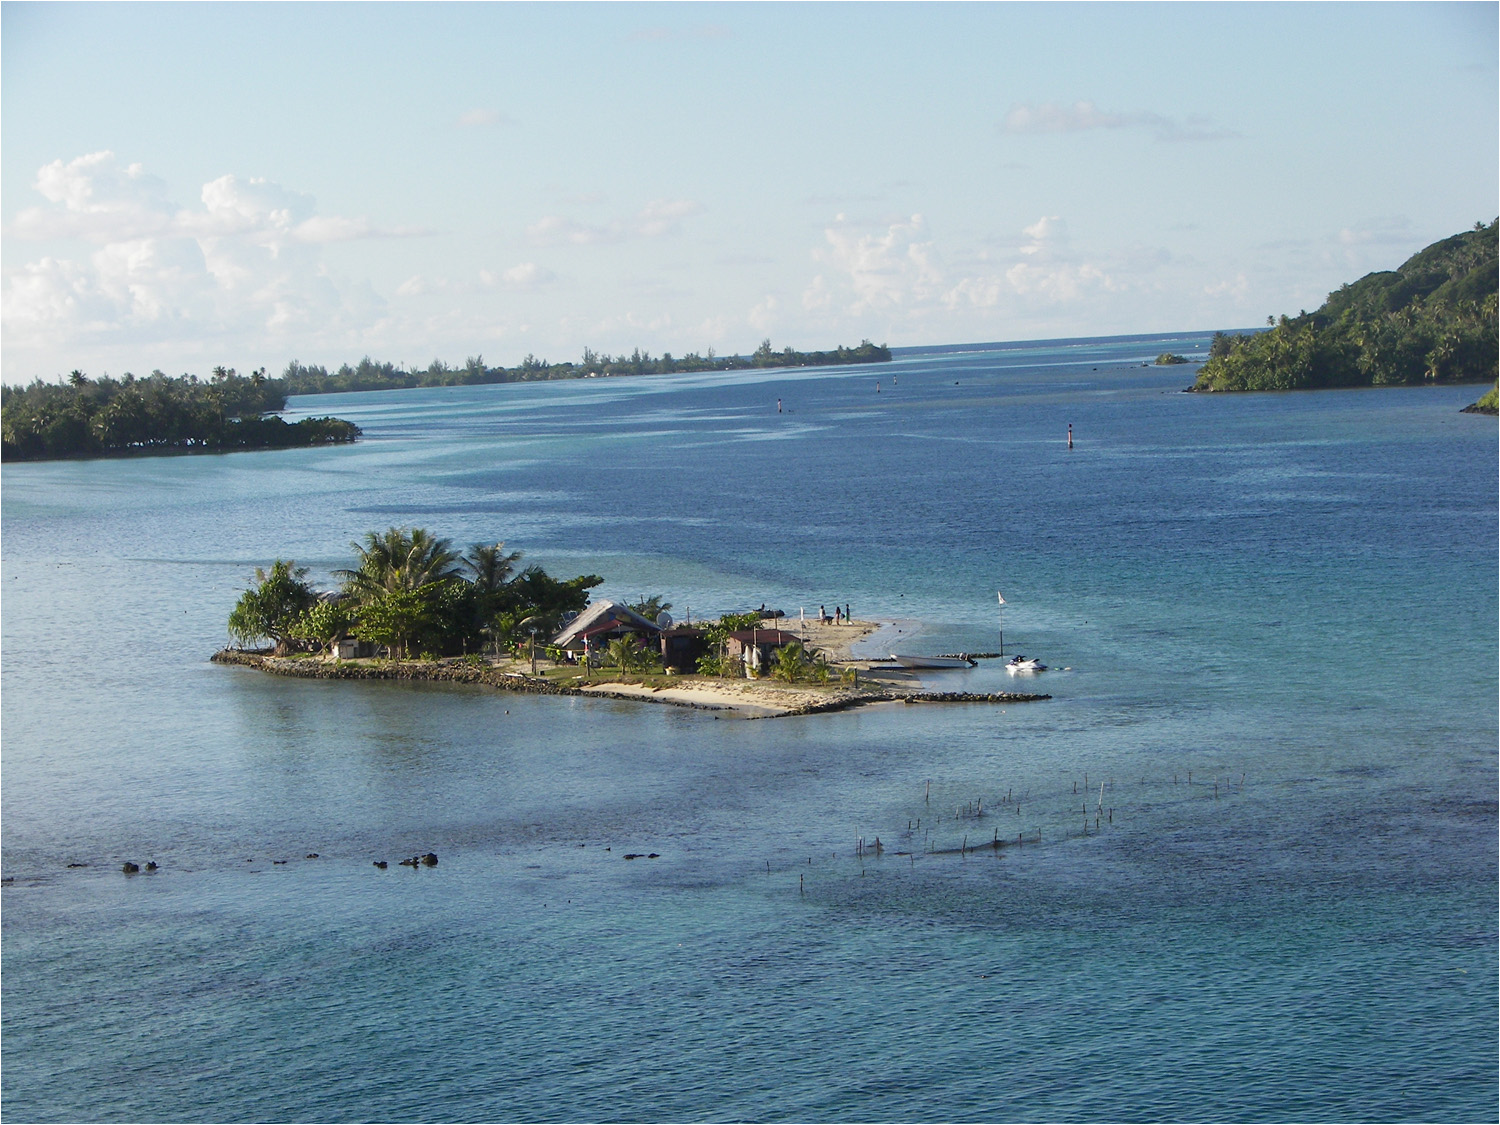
x,y
932,661
1024,664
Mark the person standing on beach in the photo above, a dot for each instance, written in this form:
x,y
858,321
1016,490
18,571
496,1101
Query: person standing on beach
x,y
838,615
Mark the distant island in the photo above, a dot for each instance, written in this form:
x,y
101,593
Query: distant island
x,y
1430,321
1169,359
158,414
86,417
370,375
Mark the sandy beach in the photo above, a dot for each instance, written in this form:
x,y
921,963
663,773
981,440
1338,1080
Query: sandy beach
x,y
748,699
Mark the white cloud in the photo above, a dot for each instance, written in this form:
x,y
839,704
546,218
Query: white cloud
x,y
1081,116
246,261
527,275
763,315
664,216
1237,289
1047,270
419,286
558,230
876,269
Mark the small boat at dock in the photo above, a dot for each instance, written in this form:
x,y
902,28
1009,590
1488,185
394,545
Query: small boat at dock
x,y
932,661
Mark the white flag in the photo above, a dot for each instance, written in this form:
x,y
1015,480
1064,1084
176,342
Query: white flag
x,y
1001,596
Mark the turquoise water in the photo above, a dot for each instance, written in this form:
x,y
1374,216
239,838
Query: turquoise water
x,y
1278,616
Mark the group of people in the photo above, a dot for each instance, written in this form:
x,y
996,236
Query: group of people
x,y
841,616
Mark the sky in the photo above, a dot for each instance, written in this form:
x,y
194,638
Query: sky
x,y
187,185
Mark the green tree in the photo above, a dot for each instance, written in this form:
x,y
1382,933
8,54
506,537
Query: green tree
x,y
400,619
324,623
548,598
270,609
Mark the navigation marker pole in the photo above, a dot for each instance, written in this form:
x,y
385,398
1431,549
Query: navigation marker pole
x,y
1001,596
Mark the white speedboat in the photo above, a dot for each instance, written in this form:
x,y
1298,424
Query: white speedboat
x,y
1024,664
932,661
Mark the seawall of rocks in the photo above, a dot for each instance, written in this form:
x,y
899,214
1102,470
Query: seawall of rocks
x,y
460,671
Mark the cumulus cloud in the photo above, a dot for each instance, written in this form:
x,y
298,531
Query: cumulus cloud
x,y
1046,270
874,269
763,315
245,260
103,203
1081,116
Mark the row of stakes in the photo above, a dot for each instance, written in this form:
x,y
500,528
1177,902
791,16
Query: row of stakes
x,y
975,810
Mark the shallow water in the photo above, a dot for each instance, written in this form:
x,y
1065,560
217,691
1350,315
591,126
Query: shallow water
x,y
1278,619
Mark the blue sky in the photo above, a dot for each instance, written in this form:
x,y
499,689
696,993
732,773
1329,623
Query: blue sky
x,y
187,185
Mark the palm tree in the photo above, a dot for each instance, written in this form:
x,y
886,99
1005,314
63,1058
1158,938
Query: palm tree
x,y
791,662
490,566
399,560
650,607
624,652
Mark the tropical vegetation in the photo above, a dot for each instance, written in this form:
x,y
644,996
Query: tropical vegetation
x,y
85,417
715,661
373,375
1433,320
1489,402
412,593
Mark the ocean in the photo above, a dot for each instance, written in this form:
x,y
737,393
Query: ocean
x,y
1251,865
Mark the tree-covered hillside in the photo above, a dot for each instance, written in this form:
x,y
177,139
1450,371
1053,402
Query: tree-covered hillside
x,y
91,417
1431,321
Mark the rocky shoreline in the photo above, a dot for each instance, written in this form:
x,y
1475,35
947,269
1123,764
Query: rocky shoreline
x,y
775,700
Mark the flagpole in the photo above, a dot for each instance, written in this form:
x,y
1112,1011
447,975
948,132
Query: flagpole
x,y
1001,596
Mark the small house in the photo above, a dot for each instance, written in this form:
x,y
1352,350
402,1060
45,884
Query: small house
x,y
352,648
601,622
756,648
681,647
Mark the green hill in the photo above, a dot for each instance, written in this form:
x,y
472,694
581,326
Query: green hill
x,y
1430,321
